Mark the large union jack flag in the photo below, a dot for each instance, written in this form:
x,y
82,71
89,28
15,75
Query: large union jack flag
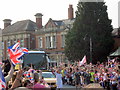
x,y
16,52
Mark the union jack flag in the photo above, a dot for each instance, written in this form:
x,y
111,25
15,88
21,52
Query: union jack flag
x,y
2,80
15,53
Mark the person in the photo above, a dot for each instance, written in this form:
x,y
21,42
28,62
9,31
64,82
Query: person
x,y
92,76
17,81
118,86
10,73
87,77
114,81
37,84
77,78
7,66
59,82
27,85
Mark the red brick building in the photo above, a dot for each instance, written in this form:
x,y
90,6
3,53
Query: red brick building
x,y
34,36
116,36
51,37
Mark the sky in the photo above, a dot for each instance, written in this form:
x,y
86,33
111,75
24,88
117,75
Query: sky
x,y
18,10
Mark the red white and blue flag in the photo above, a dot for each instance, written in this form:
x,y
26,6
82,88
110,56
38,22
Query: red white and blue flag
x,y
24,50
2,80
83,61
16,52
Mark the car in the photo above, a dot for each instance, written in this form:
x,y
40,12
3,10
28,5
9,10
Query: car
x,y
50,78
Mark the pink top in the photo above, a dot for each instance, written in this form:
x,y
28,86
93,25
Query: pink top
x,y
38,85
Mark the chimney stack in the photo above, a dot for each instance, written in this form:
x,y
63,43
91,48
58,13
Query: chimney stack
x,y
7,22
39,20
70,12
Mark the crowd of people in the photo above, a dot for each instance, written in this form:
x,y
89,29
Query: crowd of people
x,y
23,79
106,74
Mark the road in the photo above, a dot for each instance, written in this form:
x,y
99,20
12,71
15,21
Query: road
x,y
69,87
93,86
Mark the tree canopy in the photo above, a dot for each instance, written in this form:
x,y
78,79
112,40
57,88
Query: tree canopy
x,y
91,26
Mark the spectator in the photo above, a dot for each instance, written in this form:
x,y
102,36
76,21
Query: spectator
x,y
59,79
77,78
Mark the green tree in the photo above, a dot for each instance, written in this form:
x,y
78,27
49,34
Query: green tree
x,y
91,22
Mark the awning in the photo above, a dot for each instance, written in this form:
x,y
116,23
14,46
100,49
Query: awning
x,y
116,53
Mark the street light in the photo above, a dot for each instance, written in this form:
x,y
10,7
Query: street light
x,y
90,46
90,49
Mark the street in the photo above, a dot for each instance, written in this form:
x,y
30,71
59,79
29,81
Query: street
x,y
69,87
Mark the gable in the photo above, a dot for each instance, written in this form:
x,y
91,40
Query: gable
x,y
50,24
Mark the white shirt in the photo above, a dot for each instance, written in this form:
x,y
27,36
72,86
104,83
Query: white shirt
x,y
59,80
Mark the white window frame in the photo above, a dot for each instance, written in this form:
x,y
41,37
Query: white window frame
x,y
8,43
54,41
22,42
63,40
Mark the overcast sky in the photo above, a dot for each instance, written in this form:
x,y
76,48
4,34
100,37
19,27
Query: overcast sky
x,y
18,10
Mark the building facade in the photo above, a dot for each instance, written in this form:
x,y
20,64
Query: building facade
x,y
22,31
116,37
34,36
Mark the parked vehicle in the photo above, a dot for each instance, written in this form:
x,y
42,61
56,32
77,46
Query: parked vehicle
x,y
38,59
50,78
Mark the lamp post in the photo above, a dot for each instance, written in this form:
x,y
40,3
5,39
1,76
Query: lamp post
x,y
90,50
90,46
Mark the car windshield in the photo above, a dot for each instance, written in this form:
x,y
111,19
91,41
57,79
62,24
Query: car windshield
x,y
48,75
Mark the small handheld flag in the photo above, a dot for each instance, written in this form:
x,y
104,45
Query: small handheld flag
x,y
15,53
83,61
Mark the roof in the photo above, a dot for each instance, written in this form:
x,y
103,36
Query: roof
x,y
36,51
58,22
116,53
24,25
115,32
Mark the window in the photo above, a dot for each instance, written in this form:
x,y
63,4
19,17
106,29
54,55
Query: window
x,y
15,41
49,41
46,42
8,43
63,41
54,41
40,42
3,45
22,43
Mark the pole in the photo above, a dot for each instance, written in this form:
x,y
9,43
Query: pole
x,y
90,50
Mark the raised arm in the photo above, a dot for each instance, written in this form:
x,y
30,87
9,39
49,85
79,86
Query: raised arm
x,y
10,73
17,83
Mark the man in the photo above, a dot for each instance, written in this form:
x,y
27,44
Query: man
x,y
59,82
77,78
